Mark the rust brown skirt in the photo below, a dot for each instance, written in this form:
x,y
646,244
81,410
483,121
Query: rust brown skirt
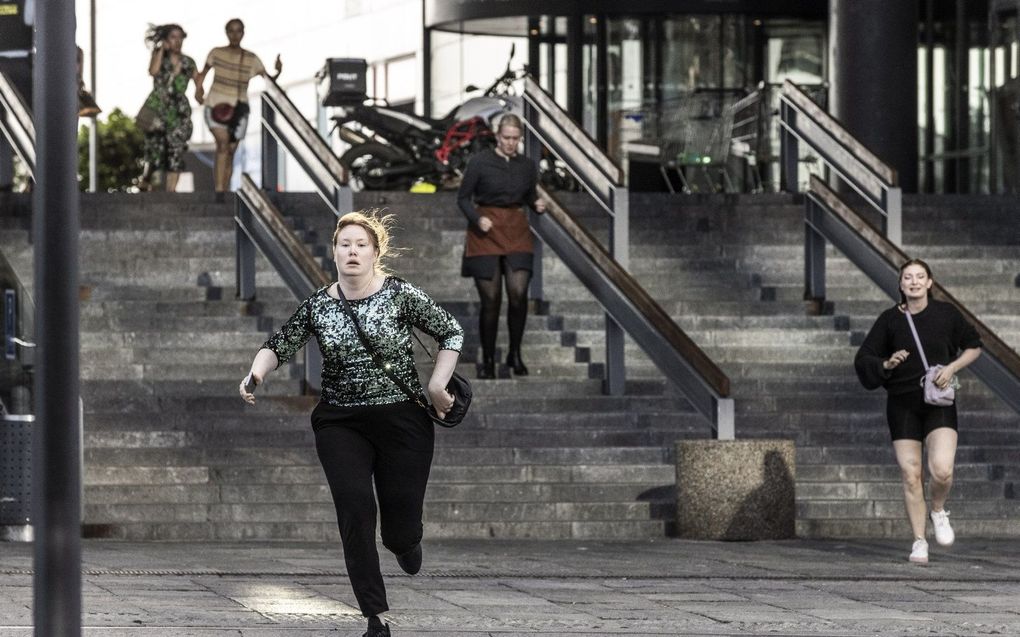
x,y
510,237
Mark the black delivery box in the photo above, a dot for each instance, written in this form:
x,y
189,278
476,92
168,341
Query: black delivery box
x,y
343,82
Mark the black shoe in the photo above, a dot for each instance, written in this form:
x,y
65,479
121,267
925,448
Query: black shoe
x,y
378,632
220,197
516,365
410,562
487,370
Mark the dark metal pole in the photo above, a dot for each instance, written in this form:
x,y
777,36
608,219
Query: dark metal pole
x,y
929,94
533,150
426,71
960,87
814,256
57,439
270,150
602,81
789,152
534,56
575,66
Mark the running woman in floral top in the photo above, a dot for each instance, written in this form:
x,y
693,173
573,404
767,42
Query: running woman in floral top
x,y
366,428
171,71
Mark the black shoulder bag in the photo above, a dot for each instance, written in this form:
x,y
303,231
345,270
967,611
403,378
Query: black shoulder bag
x,y
458,385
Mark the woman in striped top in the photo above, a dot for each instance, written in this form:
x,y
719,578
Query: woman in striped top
x,y
234,67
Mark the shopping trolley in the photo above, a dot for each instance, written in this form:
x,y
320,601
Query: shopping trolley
x,y
695,141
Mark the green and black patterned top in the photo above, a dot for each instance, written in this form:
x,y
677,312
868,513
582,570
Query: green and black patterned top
x,y
349,376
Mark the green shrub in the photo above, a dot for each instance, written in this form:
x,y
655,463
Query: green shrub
x,y
119,154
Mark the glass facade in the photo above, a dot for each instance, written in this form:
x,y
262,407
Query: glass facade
x,y
655,87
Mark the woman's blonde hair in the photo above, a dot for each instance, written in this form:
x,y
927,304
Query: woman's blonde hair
x,y
511,121
377,226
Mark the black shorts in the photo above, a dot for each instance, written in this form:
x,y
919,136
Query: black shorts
x,y
910,418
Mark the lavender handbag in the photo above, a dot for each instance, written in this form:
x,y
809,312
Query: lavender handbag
x,y
933,394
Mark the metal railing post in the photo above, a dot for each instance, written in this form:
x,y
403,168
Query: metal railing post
x,y
725,419
814,256
93,154
533,150
893,221
619,245
270,149
6,162
789,151
616,370
245,254
343,200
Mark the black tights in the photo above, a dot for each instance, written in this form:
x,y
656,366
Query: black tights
x,y
490,294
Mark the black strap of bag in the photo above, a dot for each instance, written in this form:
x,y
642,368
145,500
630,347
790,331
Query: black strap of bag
x,y
385,367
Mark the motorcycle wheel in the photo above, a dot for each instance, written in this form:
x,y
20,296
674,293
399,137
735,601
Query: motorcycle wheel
x,y
362,159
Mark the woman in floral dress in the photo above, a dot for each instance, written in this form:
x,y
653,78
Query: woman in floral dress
x,y
171,71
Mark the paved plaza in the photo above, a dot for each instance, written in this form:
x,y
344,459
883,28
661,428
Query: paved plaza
x,y
505,588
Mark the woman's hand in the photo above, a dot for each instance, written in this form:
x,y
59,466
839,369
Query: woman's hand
x,y
540,206
895,359
484,223
442,400
945,376
248,396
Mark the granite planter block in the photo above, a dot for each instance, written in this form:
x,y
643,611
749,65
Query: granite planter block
x,y
735,489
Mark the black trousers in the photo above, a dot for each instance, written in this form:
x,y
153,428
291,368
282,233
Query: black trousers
x,y
390,445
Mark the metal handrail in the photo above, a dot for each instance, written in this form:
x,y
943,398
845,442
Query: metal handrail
x,y
629,308
283,123
17,124
595,170
876,181
628,304
828,217
261,225
549,125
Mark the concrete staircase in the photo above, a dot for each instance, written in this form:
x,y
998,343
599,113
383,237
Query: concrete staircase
x,y
729,270
172,453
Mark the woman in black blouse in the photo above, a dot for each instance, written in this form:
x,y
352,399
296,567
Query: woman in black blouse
x,y
497,185
366,428
889,358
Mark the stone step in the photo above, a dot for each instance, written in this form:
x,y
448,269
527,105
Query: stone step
x,y
875,528
808,473
326,531
532,448
144,449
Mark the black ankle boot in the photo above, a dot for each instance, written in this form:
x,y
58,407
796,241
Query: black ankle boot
x,y
410,562
516,365
487,370
377,629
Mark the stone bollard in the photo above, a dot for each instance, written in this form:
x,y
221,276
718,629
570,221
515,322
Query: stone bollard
x,y
735,489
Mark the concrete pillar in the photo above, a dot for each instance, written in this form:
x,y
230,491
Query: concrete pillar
x,y
873,78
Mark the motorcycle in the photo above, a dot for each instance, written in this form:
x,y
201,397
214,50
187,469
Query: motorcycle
x,y
391,149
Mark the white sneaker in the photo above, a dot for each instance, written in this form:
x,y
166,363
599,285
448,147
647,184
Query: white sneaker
x,y
919,552
943,532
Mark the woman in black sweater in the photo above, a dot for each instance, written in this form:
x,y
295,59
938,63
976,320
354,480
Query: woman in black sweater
x,y
497,185
889,358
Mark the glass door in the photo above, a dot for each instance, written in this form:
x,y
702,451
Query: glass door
x,y
795,52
